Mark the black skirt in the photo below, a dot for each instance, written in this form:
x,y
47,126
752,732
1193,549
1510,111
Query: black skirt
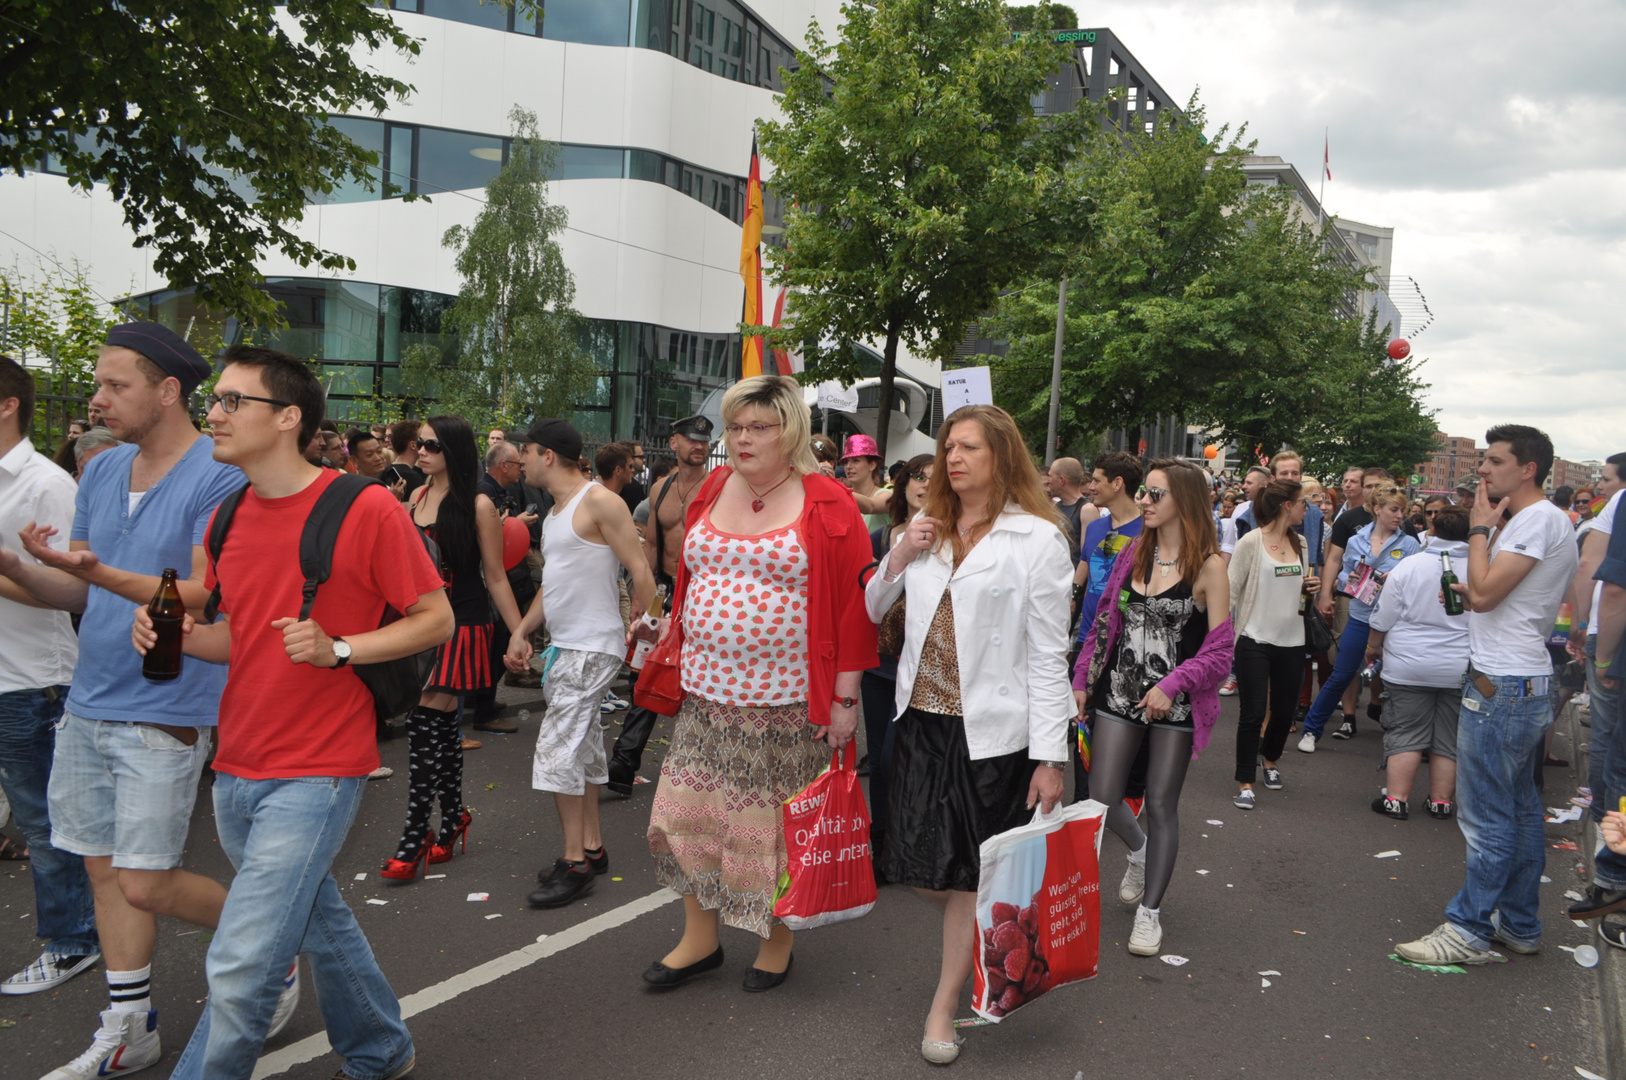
x,y
943,805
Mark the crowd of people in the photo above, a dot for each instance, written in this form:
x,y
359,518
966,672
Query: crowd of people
x,y
994,626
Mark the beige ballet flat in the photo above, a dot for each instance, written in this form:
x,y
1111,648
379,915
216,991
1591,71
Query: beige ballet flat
x,y
941,1053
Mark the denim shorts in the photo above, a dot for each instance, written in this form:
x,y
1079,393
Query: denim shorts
x,y
124,790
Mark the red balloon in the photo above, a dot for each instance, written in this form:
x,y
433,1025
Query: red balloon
x,y
516,541
1399,349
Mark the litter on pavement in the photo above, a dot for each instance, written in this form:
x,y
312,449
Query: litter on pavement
x,y
380,903
361,877
1202,871
477,896
1565,845
1275,973
1557,816
1173,960
1263,983
498,915
1387,855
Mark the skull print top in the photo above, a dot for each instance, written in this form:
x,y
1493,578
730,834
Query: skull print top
x,y
1159,633
745,616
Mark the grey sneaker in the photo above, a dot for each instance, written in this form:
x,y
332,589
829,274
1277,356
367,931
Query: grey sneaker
x,y
47,973
1443,945
1273,778
1134,883
1244,799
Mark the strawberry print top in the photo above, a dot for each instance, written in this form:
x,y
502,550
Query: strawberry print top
x,y
745,616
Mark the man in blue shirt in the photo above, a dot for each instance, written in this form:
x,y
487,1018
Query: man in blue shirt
x,y
1608,892
130,752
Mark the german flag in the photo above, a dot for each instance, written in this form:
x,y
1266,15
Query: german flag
x,y
751,267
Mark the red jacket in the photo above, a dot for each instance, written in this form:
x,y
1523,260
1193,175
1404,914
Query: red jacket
x,y
840,635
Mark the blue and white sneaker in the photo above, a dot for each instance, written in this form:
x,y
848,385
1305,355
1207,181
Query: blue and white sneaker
x,y
126,1042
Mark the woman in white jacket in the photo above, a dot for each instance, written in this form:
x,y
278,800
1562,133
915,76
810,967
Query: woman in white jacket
x,y
983,698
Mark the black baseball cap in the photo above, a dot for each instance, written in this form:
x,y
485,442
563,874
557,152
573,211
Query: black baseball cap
x,y
165,348
697,428
560,436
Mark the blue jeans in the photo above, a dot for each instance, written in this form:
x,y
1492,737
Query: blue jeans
x,y
1499,811
1347,664
282,836
1605,721
65,912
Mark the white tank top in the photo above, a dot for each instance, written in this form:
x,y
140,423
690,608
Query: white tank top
x,y
580,599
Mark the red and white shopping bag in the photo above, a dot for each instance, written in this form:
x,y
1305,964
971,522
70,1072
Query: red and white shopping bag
x,y
1038,908
830,876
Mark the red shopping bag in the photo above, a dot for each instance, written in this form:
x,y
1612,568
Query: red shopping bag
x,y
830,876
1038,908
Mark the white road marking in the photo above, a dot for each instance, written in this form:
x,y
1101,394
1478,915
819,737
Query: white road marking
x,y
313,1047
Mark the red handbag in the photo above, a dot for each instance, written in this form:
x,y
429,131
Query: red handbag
x,y
660,684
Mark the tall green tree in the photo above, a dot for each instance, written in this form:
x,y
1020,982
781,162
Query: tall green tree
x,y
1191,295
205,119
919,181
517,335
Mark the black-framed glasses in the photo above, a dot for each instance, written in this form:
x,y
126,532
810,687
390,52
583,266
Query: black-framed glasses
x,y
431,446
1151,494
756,430
921,477
229,401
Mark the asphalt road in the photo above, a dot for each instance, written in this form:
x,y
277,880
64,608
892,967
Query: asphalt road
x,y
1293,886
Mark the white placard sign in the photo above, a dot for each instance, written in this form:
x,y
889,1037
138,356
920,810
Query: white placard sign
x,y
966,386
835,397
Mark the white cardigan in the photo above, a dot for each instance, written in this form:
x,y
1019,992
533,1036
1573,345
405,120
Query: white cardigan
x,y
1012,598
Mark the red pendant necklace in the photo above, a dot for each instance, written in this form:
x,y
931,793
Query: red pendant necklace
x,y
757,503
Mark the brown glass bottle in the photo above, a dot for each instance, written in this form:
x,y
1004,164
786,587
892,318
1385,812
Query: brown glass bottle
x,y
163,661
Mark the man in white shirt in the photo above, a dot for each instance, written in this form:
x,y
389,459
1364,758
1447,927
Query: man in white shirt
x,y
1512,595
38,649
1583,644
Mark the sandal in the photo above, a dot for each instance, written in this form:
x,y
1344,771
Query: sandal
x,y
10,852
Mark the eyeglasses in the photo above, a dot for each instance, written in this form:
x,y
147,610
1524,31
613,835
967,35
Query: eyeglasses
x,y
756,430
429,446
1430,513
229,401
920,476
1151,494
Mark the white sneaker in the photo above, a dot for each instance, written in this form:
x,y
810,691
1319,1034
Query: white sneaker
x,y
1147,936
1134,883
1307,744
47,973
126,1042
615,702
1443,945
287,1002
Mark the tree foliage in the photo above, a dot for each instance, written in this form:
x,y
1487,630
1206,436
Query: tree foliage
x,y
205,119
516,333
918,180
1022,19
1193,295
52,323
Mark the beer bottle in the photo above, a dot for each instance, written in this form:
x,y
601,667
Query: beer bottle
x,y
163,661
1449,596
640,650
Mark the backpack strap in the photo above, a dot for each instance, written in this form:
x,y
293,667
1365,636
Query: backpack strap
x,y
219,525
320,536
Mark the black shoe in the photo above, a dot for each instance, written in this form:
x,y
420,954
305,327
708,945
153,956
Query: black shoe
x,y
664,977
1445,811
757,980
620,784
387,731
1374,713
1346,730
1599,901
566,883
863,765
1395,808
1613,932
496,726
599,863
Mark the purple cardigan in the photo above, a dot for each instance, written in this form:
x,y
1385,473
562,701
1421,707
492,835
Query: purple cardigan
x,y
1199,677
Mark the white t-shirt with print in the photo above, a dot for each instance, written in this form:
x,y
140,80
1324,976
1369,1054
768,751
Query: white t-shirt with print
x,y
1604,525
1511,639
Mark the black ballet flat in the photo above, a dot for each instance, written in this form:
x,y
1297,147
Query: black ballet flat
x,y
757,980
666,977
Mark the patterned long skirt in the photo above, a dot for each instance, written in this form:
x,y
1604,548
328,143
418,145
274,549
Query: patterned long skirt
x,y
716,829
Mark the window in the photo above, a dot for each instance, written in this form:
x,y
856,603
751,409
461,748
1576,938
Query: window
x,y
490,14
591,163
456,160
588,22
369,135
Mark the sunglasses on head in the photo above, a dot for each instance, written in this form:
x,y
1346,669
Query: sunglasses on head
x,y
1151,494
431,446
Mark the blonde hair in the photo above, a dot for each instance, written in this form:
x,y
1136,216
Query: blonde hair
x,y
1015,478
1386,493
782,397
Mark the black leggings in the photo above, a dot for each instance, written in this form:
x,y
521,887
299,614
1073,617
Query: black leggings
x,y
1111,754
436,772
1263,671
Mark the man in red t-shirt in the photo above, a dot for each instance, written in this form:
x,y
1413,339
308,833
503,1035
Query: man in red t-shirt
x,y
288,781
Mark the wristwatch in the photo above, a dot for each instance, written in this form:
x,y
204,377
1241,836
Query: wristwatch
x,y
341,652
845,702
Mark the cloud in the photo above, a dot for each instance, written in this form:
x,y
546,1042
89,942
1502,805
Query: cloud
x,y
1488,137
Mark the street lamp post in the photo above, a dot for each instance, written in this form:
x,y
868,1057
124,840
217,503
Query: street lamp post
x,y
1055,375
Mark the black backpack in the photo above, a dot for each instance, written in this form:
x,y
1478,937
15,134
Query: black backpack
x,y
396,685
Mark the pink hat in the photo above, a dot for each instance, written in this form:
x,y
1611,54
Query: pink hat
x,y
860,446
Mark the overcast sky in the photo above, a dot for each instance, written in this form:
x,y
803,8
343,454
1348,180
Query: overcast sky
x,y
1490,135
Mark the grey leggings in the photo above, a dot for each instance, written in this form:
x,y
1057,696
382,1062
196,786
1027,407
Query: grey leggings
x,y
1112,752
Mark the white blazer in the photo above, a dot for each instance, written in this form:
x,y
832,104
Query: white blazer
x,y
1012,598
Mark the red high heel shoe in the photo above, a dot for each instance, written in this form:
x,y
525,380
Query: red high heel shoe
x,y
398,870
438,854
